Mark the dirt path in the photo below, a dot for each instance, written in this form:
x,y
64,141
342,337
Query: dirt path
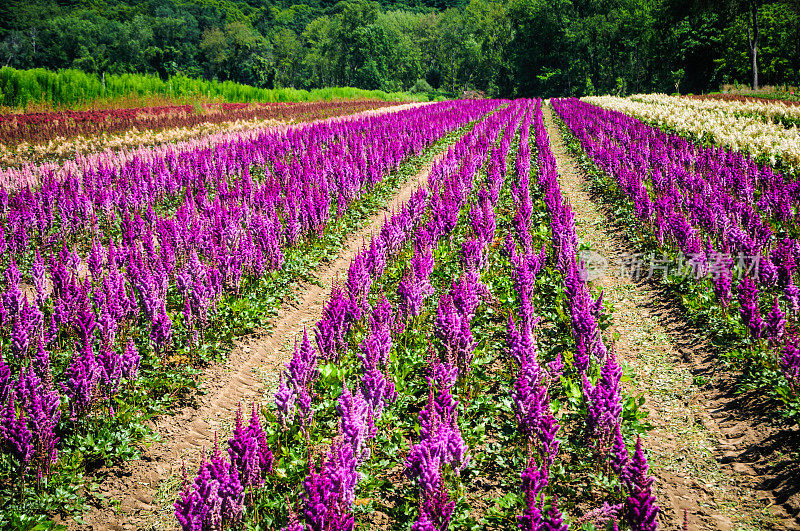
x,y
713,454
146,488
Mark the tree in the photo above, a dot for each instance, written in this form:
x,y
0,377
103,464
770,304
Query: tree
x,y
319,53
349,33
754,37
230,52
538,67
491,29
286,49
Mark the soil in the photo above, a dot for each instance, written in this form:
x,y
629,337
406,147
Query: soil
x,y
720,458
143,490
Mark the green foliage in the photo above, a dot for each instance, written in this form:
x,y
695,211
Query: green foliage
x,y
501,47
421,86
68,87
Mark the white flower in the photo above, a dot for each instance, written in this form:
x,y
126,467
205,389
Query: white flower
x,y
741,126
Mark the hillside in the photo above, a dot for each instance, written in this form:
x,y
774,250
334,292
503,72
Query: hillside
x,y
501,47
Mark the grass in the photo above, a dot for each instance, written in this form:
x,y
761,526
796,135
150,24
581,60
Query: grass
x,y
40,89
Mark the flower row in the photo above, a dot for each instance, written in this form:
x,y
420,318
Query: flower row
x,y
62,148
770,110
67,148
329,491
454,202
766,141
744,99
38,128
71,335
703,211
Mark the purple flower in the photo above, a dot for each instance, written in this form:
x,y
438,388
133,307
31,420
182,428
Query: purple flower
x,y
130,361
110,363
790,361
422,261
454,314
472,255
482,218
15,437
600,516
354,423
378,344
198,506
604,405
619,453
534,480
328,495
435,511
641,512
82,382
749,310
12,297
554,520
526,267
39,277
296,384
376,257
793,296
161,330
41,405
317,497
358,285
243,450
285,402
334,325
265,457
5,379
776,324
440,441
412,294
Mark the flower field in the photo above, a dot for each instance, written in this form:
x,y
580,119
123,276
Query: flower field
x,y
34,137
724,213
442,313
743,99
767,131
462,372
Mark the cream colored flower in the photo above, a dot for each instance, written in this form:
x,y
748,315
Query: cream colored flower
x,y
732,125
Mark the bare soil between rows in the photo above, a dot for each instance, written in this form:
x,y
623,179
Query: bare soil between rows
x,y
719,457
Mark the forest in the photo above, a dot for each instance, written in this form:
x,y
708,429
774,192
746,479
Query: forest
x,y
503,48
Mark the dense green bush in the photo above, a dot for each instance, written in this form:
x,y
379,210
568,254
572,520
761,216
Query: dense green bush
x,y
69,87
421,86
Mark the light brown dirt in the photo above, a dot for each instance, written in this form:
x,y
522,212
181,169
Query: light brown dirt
x,y
145,489
713,454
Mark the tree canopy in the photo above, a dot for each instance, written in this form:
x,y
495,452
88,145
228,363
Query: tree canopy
x,y
502,47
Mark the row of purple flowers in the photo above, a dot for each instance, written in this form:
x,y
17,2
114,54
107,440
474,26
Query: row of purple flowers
x,y
328,492
709,204
90,307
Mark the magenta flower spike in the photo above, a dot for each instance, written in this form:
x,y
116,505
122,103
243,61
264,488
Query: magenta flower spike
x,y
790,361
41,405
775,323
534,480
749,310
243,449
641,512
554,519
15,437
335,323
604,405
82,382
